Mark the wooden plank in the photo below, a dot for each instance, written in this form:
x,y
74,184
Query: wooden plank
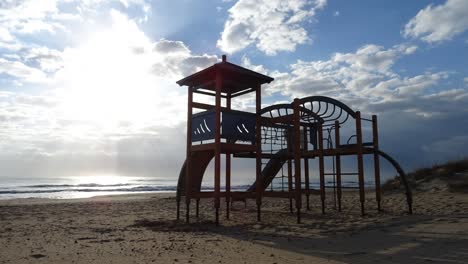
x,y
232,148
242,93
203,147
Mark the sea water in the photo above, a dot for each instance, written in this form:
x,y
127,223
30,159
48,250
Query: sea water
x,y
88,186
81,186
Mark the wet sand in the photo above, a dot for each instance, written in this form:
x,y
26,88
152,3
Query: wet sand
x,y
142,229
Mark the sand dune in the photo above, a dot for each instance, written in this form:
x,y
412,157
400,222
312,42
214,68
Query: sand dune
x,y
142,229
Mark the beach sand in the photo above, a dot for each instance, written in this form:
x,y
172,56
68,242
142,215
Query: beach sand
x,y
142,229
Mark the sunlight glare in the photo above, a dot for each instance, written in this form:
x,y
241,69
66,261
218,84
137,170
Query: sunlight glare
x,y
108,81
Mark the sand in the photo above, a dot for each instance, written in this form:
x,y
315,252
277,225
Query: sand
x,y
141,229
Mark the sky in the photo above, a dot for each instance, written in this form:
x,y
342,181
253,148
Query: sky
x,y
88,86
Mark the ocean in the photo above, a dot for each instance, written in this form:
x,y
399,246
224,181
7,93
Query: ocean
x,y
73,187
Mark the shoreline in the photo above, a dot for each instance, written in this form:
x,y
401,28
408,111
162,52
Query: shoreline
x,y
123,196
97,198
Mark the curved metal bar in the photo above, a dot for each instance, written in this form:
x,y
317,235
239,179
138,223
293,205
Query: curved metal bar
x,y
274,107
307,113
326,109
332,112
403,176
318,98
339,115
349,139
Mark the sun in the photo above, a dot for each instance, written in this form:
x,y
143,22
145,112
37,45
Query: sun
x,y
105,82
108,85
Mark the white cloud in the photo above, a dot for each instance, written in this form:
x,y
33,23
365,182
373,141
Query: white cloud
x,y
168,47
21,71
365,79
105,100
49,60
373,57
5,35
31,16
272,26
439,23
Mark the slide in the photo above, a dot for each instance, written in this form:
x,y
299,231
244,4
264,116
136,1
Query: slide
x,y
271,169
201,160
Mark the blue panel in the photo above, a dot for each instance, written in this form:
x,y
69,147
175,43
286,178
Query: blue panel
x,y
203,127
238,126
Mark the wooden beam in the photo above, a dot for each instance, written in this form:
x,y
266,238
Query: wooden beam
x,y
258,158
290,179
205,106
228,168
297,159
360,161
217,156
375,140
188,175
232,148
306,168
242,92
321,166
338,164
203,147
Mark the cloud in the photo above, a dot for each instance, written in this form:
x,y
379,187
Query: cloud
x,y
26,17
21,71
49,60
101,105
171,47
272,26
365,79
439,23
417,113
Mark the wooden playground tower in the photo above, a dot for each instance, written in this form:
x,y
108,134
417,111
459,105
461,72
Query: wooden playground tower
x,y
282,134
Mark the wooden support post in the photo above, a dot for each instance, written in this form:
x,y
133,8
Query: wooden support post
x,y
290,148
258,157
360,161
338,164
228,168
306,169
297,159
375,140
217,152
321,167
188,172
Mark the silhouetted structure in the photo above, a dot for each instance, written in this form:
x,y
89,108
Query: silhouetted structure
x,y
282,134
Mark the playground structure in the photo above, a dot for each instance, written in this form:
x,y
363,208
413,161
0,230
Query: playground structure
x,y
277,136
